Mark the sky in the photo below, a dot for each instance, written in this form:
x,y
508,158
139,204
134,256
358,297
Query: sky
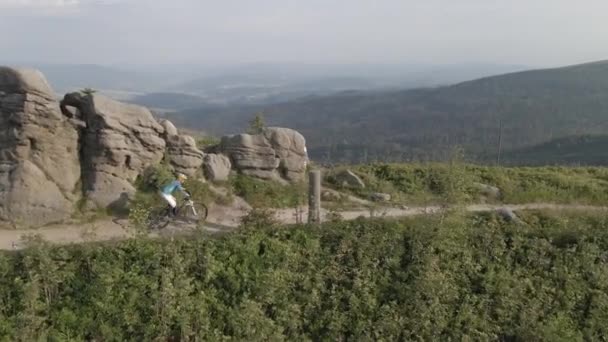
x,y
149,32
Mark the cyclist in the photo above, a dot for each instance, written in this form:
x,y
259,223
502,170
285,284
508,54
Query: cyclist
x,y
167,191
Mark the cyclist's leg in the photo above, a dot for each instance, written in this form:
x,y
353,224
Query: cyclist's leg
x,y
171,202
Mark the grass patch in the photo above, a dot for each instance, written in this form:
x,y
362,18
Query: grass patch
x,y
268,194
437,183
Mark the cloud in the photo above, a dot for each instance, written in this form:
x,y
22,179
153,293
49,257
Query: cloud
x,y
16,4
51,8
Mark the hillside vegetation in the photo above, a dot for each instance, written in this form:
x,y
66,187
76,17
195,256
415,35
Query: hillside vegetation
x,y
436,183
534,106
435,278
572,150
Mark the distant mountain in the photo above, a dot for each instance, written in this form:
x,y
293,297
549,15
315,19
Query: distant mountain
x,y
534,107
168,101
249,84
270,83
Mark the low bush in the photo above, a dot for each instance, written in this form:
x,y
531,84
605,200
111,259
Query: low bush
x,y
425,279
268,194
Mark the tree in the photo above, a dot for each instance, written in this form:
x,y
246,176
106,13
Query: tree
x,y
88,91
256,125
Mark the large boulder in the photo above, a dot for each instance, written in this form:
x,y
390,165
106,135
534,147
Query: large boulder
x,y
251,155
118,142
216,167
39,164
183,155
290,148
277,153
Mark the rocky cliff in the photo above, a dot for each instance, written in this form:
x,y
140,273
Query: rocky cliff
x,y
90,149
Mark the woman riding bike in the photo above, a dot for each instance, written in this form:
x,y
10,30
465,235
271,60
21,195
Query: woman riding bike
x,y
167,191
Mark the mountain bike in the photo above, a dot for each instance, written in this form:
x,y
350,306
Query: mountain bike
x,y
188,212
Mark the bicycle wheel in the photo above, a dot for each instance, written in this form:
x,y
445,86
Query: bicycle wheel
x,y
158,219
195,213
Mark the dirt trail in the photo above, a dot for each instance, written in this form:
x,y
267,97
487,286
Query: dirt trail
x,y
223,219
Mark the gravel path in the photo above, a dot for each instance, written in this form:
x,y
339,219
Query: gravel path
x,y
222,219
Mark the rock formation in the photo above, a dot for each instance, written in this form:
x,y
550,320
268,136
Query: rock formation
x,y
118,142
277,153
39,166
183,155
92,148
290,148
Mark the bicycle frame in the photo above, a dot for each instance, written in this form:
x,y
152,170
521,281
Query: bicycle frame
x,y
188,203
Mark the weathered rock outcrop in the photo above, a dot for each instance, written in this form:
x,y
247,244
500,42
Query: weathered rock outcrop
x,y
183,155
216,167
251,155
91,147
290,148
39,166
277,153
118,142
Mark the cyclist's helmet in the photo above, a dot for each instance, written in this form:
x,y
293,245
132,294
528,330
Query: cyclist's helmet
x,y
182,177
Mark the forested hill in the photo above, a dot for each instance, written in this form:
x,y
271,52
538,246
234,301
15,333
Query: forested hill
x,y
575,150
535,107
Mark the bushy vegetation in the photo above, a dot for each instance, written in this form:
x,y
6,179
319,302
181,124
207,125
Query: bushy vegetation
x,y
456,182
268,194
207,141
432,279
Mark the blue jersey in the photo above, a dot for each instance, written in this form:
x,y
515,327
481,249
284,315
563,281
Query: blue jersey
x,y
171,187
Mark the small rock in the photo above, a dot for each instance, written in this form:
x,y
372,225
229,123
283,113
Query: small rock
x,y
380,197
509,215
330,196
347,178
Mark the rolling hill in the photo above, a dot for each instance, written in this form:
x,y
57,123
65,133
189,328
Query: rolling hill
x,y
574,150
534,107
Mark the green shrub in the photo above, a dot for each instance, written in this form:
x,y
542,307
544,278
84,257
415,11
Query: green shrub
x,y
259,218
453,278
207,141
268,194
154,177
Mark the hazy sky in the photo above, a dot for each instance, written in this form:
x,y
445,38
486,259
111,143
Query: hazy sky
x,y
530,32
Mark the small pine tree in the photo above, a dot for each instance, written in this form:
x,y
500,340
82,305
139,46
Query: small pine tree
x,y
88,91
256,125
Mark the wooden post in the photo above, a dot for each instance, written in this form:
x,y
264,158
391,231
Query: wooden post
x,y
314,196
